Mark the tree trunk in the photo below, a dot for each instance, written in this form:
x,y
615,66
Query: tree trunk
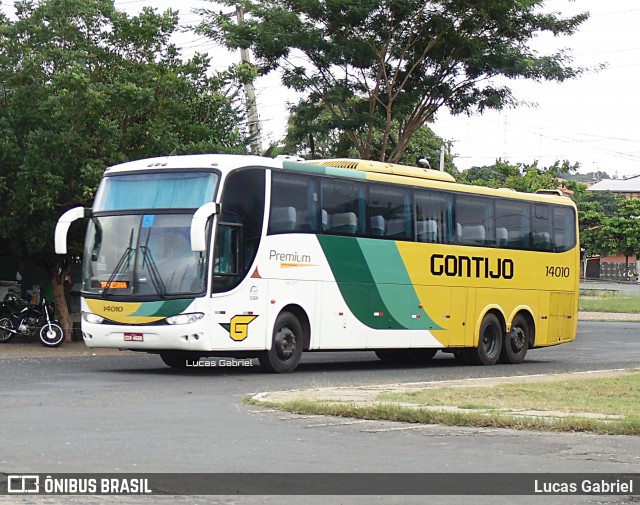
x,y
57,277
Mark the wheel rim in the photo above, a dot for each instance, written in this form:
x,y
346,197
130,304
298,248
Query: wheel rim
x,y
517,340
490,339
51,335
285,343
5,334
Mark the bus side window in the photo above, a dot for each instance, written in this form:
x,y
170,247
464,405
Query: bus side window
x,y
294,203
391,213
433,212
564,228
227,253
343,204
475,223
542,233
513,224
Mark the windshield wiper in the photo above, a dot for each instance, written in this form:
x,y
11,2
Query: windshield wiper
x,y
156,278
149,262
126,257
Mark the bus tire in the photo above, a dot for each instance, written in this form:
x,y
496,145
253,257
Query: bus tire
x,y
516,342
406,355
178,359
286,345
489,343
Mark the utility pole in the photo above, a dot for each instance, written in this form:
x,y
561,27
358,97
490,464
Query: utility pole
x,y
250,94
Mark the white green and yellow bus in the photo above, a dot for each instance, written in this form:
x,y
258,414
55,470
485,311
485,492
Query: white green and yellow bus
x,y
244,256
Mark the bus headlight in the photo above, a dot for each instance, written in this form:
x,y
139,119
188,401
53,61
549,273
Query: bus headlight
x,y
185,318
89,317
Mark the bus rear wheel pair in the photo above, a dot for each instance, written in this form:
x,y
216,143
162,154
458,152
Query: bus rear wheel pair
x,y
494,345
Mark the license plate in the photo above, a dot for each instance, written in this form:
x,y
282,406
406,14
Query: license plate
x,y
134,337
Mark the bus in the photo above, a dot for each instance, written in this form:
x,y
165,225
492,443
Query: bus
x,y
250,257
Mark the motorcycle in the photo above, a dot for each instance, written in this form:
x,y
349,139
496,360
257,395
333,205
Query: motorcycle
x,y
32,320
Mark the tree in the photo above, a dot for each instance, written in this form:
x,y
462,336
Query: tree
x,y
334,143
594,208
521,177
378,70
621,232
86,86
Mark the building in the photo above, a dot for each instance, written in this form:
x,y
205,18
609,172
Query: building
x,y
629,187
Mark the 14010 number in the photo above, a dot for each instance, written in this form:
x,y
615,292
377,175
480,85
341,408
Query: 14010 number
x,y
558,271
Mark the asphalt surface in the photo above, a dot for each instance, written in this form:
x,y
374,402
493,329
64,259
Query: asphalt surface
x,y
128,413
74,409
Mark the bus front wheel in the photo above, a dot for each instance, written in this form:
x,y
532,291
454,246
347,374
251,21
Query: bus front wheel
x,y
516,342
489,343
286,345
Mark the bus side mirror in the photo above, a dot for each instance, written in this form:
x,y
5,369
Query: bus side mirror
x,y
199,225
62,227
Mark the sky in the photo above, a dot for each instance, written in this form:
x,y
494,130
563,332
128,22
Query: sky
x,y
592,120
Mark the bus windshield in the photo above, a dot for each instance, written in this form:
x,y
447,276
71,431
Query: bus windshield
x,y
142,255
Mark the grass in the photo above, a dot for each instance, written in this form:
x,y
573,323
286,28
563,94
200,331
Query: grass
x,y
497,406
608,301
608,396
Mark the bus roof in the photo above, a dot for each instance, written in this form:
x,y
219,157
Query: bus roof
x,y
341,167
385,168
195,161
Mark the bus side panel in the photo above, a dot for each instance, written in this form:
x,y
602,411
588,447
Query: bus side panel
x,y
239,318
337,326
371,277
457,316
561,319
469,334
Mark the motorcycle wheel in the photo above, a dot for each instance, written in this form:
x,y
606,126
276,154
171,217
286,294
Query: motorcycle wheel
x,y
51,337
6,335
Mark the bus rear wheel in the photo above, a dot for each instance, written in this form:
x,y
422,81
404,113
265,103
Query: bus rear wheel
x,y
286,345
406,355
489,343
516,342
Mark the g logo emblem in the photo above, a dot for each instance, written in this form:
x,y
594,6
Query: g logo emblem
x,y
239,327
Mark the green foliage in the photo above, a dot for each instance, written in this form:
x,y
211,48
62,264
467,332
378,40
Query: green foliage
x,y
594,208
521,177
609,223
375,71
621,232
85,86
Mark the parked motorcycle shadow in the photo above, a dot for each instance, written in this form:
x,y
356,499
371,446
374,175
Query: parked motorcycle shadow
x,y
33,321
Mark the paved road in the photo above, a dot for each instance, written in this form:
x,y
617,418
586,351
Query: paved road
x,y
129,413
